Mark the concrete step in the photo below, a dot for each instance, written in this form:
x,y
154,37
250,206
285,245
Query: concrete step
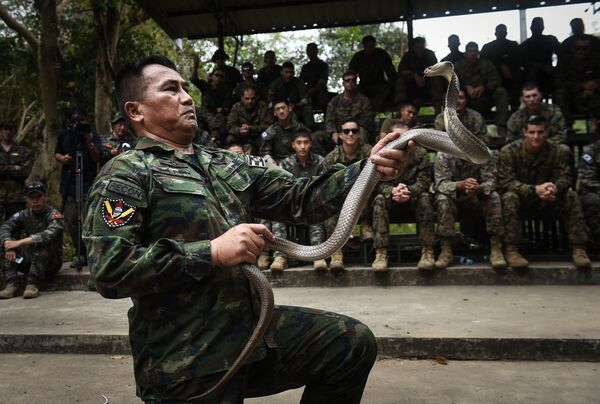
x,y
539,273
58,379
458,322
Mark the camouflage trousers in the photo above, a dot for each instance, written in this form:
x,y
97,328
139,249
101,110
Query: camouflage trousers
x,y
38,264
498,98
377,93
328,353
316,234
486,206
421,210
590,203
566,207
364,218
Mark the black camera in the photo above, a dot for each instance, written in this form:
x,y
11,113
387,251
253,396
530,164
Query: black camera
x,y
80,127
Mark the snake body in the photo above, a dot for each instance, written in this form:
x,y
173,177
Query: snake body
x,y
457,141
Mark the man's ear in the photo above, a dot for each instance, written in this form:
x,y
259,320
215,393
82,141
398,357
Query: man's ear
x,y
133,111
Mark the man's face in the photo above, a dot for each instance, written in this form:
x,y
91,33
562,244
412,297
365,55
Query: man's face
x,y
302,146
249,99
217,77
120,129
350,133
248,71
461,104
453,43
537,26
535,137
577,27
236,148
269,59
165,108
472,54
581,49
349,83
36,201
369,47
282,111
408,114
5,134
312,52
220,61
419,49
532,99
501,32
287,74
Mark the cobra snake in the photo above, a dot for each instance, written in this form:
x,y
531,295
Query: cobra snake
x,y
458,141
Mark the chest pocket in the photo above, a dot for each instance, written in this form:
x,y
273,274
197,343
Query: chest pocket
x,y
236,177
179,180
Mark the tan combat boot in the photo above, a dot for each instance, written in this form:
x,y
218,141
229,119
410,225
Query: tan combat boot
x,y
381,260
446,257
366,232
580,257
263,261
337,261
427,261
31,291
320,265
279,264
8,292
496,257
514,258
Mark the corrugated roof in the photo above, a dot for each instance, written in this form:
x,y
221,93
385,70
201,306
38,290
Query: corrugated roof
x,y
208,18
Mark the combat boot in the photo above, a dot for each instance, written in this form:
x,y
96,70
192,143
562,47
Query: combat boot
x,y
496,257
514,258
381,260
446,257
427,261
31,292
366,232
320,265
8,292
337,261
263,261
580,258
279,264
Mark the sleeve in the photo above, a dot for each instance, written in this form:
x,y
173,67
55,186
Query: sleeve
x,y
561,170
198,82
507,176
365,115
26,165
423,176
233,125
266,144
56,226
121,263
558,128
492,80
588,170
488,177
9,228
443,175
388,66
330,125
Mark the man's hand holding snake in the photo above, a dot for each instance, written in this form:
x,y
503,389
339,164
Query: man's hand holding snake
x,y
390,163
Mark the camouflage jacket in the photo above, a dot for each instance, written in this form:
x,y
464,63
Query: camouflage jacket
x,y
416,65
313,167
12,181
337,155
151,215
259,119
518,170
277,141
268,75
315,74
417,175
538,50
448,170
483,72
213,98
589,168
45,228
340,108
113,142
472,121
372,69
551,113
261,91
571,74
294,90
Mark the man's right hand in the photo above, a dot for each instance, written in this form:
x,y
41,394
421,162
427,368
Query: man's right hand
x,y
546,191
65,158
241,244
10,255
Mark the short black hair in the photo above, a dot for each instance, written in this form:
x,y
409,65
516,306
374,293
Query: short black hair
x,y
349,73
302,133
368,38
279,100
531,86
472,45
535,120
348,120
129,82
418,39
287,65
234,143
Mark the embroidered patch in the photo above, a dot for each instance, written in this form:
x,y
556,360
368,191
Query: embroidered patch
x,y
56,216
116,212
587,158
264,135
126,190
255,161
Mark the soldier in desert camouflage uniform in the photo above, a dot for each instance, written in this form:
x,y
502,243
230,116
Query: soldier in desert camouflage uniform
x,y
167,225
535,175
32,243
248,119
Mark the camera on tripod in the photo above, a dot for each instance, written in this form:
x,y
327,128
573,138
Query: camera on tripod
x,y
79,127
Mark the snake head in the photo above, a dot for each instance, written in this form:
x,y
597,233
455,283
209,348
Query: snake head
x,y
444,69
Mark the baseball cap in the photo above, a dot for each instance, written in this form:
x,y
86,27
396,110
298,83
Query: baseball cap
x,y
118,117
35,186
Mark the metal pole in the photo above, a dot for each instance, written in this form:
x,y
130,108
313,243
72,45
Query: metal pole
x,y
523,24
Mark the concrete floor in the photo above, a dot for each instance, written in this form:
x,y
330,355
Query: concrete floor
x,y
64,379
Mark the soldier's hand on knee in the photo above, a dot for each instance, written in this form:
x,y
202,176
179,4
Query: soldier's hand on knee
x,y
240,244
10,256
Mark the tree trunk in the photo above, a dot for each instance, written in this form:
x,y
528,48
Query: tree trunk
x,y
107,15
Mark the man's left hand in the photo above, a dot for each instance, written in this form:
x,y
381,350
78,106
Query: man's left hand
x,y
11,244
390,163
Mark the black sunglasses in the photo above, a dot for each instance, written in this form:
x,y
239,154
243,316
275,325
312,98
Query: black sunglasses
x,y
349,80
348,131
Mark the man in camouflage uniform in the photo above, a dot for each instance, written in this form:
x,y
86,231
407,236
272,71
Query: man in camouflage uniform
x,y
349,152
119,140
315,74
408,114
537,53
302,164
248,119
455,55
589,187
469,117
350,104
249,81
410,192
15,165
375,70
535,175
39,252
483,85
293,89
216,100
270,71
277,138
531,97
167,225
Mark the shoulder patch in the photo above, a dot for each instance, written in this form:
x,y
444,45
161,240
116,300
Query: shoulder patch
x,y
587,158
125,190
264,135
116,212
56,216
255,161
